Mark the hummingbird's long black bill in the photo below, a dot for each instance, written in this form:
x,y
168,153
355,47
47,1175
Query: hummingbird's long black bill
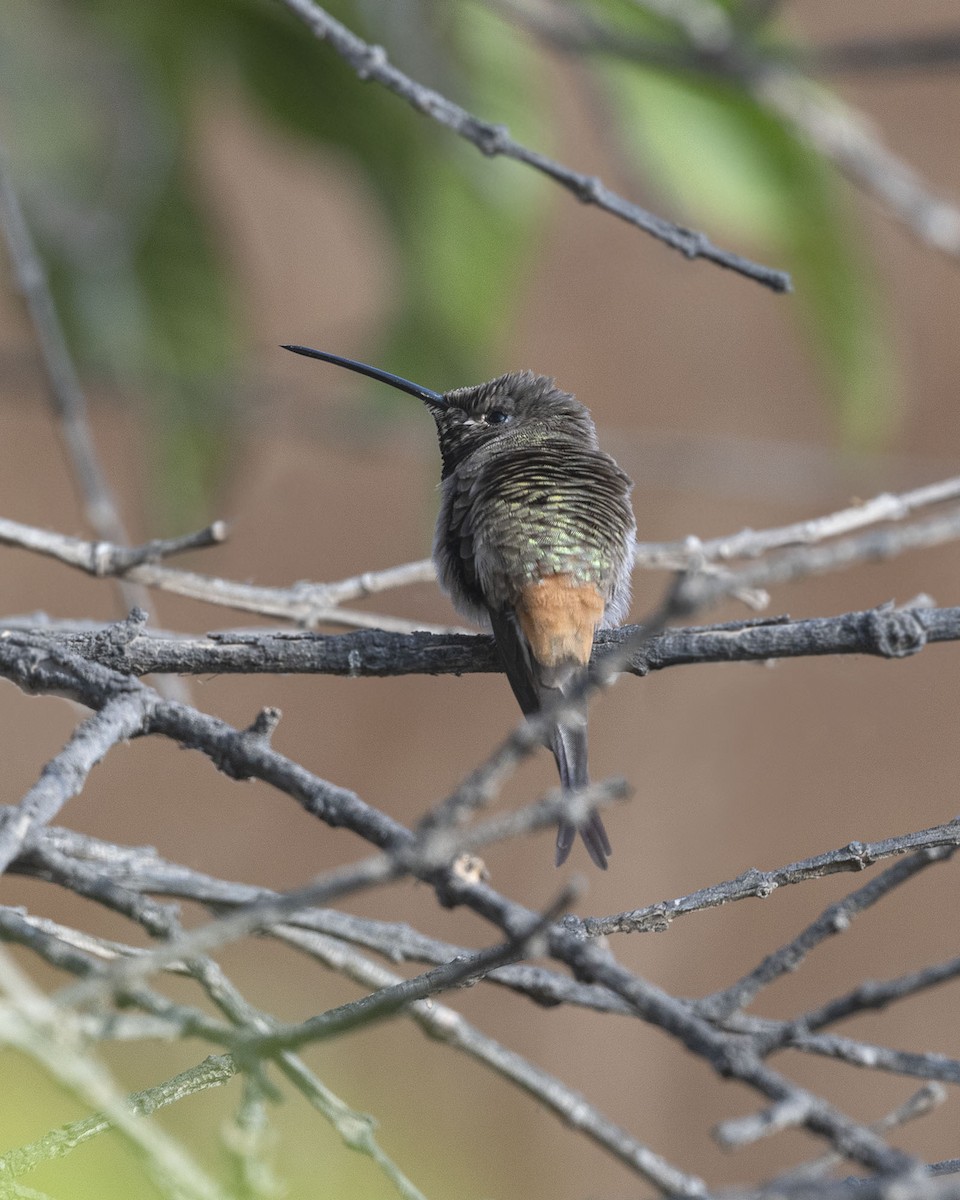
x,y
405,385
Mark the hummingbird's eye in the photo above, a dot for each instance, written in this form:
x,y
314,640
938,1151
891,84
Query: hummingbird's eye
x,y
496,416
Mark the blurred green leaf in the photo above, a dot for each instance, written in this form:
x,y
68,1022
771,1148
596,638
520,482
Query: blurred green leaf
x,y
738,171
192,328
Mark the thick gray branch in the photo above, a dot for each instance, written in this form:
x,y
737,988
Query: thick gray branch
x,y
883,632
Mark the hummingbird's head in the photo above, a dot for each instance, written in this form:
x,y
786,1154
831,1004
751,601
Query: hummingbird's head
x,y
517,407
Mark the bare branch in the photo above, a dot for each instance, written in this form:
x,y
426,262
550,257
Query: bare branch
x,y
922,1102
69,402
309,604
744,1130
835,919
449,1027
699,591
883,632
66,393
117,560
424,856
879,1058
752,543
927,1065
395,998
774,78
372,583
873,994
371,63
437,1021
844,137
305,604
85,956
98,667
245,755
64,776
731,1057
855,856
141,870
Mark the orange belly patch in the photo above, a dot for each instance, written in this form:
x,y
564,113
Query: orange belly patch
x,y
559,619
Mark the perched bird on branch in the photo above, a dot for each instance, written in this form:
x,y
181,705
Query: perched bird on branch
x,y
535,537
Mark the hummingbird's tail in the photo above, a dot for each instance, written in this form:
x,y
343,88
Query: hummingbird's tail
x,y
569,746
568,741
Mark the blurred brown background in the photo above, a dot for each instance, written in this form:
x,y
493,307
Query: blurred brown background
x,y
703,392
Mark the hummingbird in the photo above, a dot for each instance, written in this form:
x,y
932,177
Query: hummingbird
x,y
535,538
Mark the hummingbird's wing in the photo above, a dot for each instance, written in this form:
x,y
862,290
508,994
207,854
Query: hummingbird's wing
x,y
567,740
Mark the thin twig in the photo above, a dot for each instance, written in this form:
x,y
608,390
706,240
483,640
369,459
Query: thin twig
x,y
922,1102
444,1024
769,1036
65,775
69,402
877,994
117,560
754,884
371,63
421,856
843,137
773,77
731,1057
139,869
355,1129
450,1027
57,946
66,393
752,543
835,919
85,956
306,604
700,591
939,1067
395,998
